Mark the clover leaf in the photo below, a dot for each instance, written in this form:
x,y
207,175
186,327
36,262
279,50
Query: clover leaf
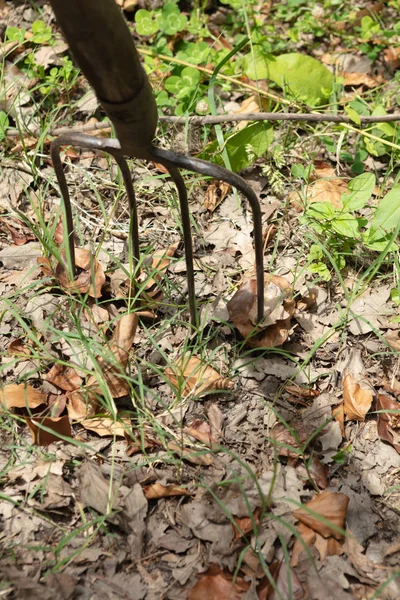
x,y
170,20
184,84
145,22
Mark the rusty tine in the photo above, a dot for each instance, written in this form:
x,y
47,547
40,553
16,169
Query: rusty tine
x,y
102,45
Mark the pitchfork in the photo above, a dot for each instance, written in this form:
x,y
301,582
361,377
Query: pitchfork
x,y
102,45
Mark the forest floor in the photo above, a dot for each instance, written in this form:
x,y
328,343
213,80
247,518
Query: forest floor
x,y
141,458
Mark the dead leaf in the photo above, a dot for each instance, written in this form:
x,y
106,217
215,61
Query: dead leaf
x,y
389,421
393,339
89,280
201,431
319,472
245,525
287,582
306,538
157,490
160,263
66,378
338,415
357,393
327,190
59,426
197,458
105,426
356,79
278,309
216,584
288,443
391,56
77,407
19,347
20,395
191,376
215,194
301,392
113,367
332,506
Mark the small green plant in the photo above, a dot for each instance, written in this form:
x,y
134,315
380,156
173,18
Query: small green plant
x,y
343,231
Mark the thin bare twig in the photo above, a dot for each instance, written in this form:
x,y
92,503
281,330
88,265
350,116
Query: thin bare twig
x,y
228,118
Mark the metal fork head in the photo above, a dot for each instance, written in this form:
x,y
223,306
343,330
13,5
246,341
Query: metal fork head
x,y
171,162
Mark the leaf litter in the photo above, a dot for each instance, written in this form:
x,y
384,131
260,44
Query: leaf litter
x,y
157,471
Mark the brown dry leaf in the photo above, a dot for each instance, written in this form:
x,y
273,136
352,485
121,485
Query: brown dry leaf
x,y
19,395
215,194
244,525
327,190
196,377
278,309
308,537
328,546
60,426
357,392
318,472
77,407
391,56
160,262
19,236
287,582
157,490
216,584
308,300
286,443
332,506
393,339
388,421
18,347
104,426
338,415
322,170
66,378
113,369
91,278
201,431
301,392
197,458
357,398
356,79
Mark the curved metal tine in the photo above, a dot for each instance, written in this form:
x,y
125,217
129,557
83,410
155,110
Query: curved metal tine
x,y
187,233
206,168
112,147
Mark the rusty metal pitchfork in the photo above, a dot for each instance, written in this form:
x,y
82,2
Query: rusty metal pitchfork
x,y
102,45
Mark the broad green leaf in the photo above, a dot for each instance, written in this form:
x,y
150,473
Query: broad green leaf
x,y
145,22
386,128
184,84
245,146
361,189
354,116
346,224
302,76
387,214
378,241
320,269
321,211
171,20
195,53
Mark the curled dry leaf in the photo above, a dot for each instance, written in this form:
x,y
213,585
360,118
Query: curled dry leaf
x,y
278,310
160,263
91,278
195,377
157,490
66,378
308,300
357,393
356,79
389,421
197,458
59,426
393,339
391,56
332,506
215,194
77,407
306,537
218,585
288,443
338,415
245,525
287,582
201,431
105,426
113,367
19,395
18,347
